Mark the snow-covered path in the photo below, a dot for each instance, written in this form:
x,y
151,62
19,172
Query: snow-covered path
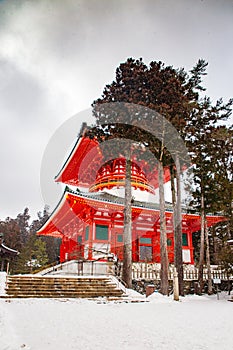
x,y
195,323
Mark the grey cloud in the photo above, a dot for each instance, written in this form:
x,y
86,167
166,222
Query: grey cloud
x,y
20,93
63,52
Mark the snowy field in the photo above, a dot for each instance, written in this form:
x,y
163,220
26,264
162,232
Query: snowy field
x,y
194,323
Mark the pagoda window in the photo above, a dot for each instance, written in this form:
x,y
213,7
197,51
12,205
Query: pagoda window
x,y
119,238
101,232
86,233
184,239
145,240
169,242
79,240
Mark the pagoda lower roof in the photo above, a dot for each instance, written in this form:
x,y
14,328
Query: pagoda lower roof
x,y
4,250
75,205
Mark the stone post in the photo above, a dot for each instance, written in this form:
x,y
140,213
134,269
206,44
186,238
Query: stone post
x,y
175,285
150,288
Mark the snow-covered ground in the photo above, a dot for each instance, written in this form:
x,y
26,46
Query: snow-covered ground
x,y
194,323
2,282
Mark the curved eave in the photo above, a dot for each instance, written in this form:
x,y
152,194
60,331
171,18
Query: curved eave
x,y
211,220
84,161
49,228
81,165
72,204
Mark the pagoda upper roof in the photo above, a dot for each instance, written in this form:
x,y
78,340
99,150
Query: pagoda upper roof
x,y
75,205
86,158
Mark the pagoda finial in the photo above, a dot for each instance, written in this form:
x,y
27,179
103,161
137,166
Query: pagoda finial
x,y
83,129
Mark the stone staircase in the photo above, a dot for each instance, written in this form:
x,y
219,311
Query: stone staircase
x,y
25,286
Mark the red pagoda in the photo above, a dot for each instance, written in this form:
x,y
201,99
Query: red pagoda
x,y
90,222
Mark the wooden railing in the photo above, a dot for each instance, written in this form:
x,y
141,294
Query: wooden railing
x,y
140,270
152,272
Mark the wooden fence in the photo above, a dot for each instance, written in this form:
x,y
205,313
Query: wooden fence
x,y
140,271
152,272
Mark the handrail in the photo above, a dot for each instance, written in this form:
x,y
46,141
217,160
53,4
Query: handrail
x,y
120,283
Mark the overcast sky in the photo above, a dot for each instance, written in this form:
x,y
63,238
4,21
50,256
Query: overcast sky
x,y
56,57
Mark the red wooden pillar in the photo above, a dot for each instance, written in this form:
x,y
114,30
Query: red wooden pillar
x,y
62,250
190,240
156,245
91,238
112,238
170,247
135,252
83,238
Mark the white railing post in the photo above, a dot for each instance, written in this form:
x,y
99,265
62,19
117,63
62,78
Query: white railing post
x,y
175,285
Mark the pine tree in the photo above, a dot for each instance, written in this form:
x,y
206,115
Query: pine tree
x,y
22,220
39,253
11,231
25,258
52,244
21,236
145,93
202,145
163,90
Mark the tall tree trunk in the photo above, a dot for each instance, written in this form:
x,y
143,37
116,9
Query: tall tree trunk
x,y
163,235
202,243
210,288
173,190
215,247
127,233
177,221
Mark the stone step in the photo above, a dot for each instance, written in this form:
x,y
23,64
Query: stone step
x,y
52,280
64,295
57,277
67,292
62,289
82,285
57,287
71,294
60,284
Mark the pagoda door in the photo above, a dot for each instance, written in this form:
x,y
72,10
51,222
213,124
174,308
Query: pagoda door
x,y
145,249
